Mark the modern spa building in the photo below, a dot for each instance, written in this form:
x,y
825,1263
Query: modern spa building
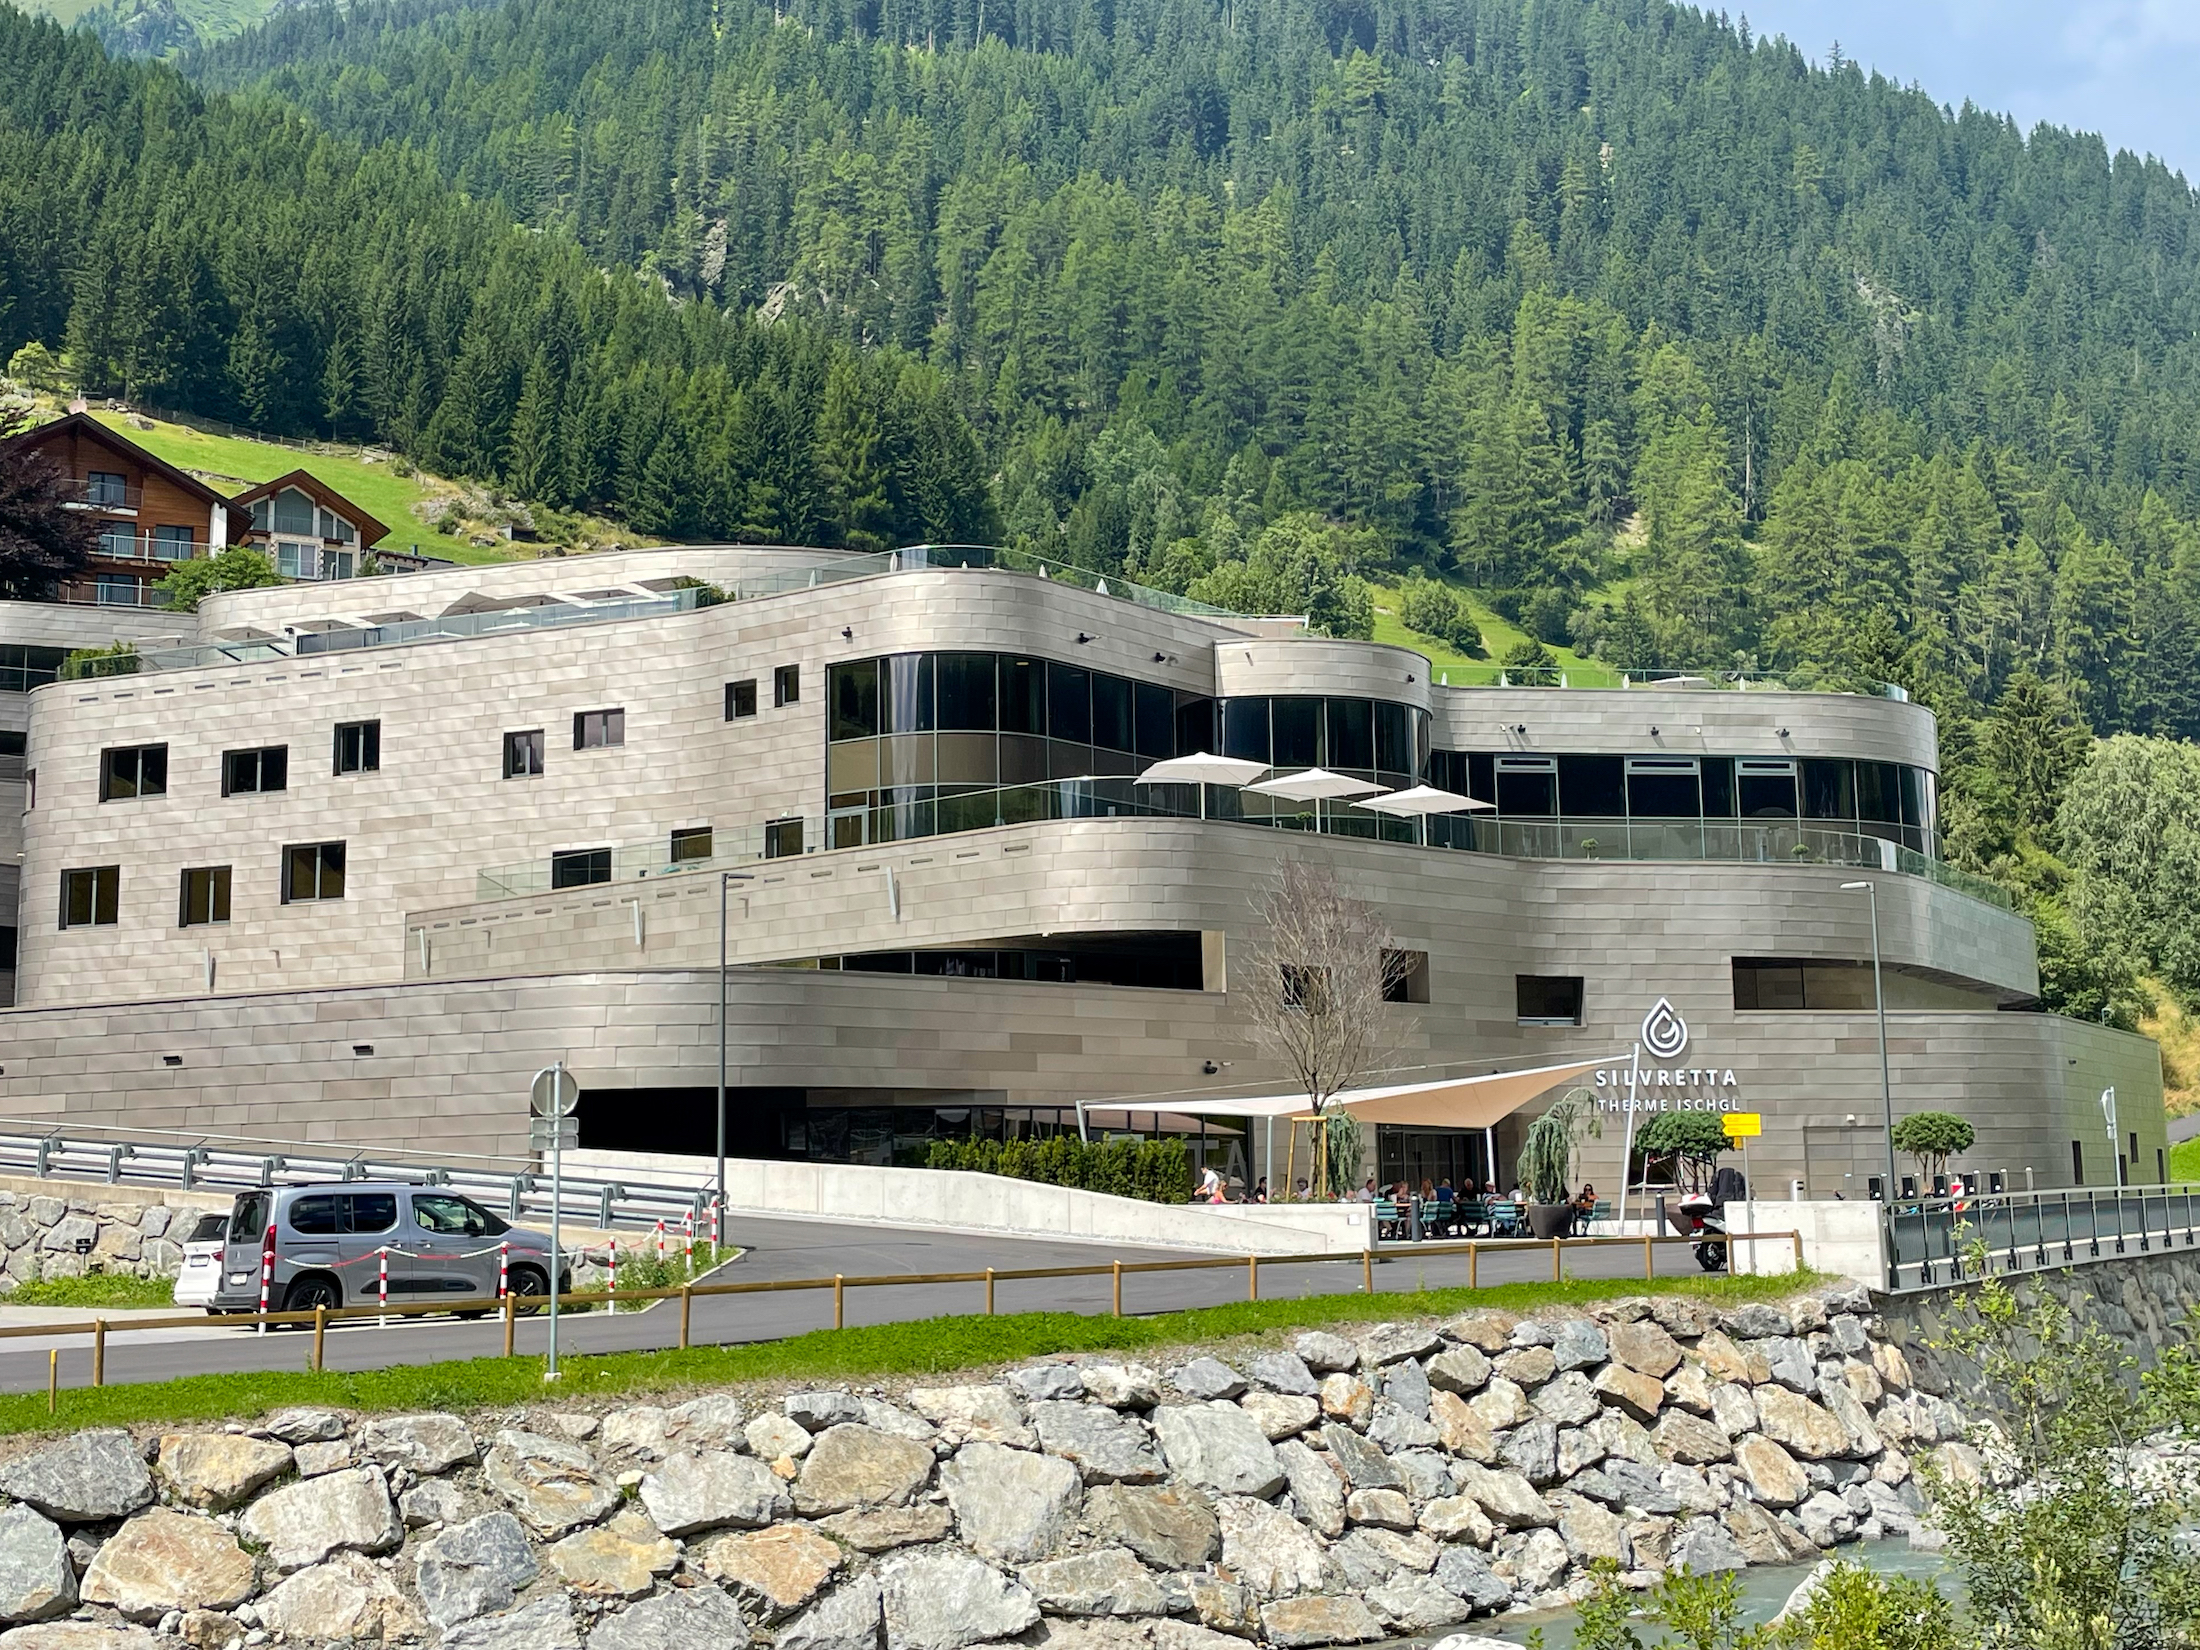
x,y
357,858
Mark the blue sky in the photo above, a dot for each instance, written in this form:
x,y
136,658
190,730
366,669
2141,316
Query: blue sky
x,y
2124,68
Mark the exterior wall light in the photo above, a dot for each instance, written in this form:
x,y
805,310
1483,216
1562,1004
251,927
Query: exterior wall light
x,y
171,1059
1160,658
847,633
1783,733
1082,637
1210,1068
362,1048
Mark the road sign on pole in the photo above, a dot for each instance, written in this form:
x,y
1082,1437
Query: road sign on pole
x,y
1742,1125
553,1096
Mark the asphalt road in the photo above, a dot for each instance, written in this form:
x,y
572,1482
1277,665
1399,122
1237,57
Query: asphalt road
x,y
788,1249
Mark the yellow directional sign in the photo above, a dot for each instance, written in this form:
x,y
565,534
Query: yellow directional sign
x,y
1742,1125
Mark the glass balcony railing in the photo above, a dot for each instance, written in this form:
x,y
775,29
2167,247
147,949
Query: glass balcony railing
x,y
1755,842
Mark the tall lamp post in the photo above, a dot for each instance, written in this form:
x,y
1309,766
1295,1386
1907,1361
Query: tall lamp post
x,y
724,877
1879,997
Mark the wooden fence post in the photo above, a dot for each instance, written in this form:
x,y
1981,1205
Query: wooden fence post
x,y
99,1352
1558,1267
320,1334
1252,1277
687,1302
1474,1267
1367,1270
989,1291
1119,1289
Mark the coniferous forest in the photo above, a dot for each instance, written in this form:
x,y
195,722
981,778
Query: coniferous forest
x,y
1675,346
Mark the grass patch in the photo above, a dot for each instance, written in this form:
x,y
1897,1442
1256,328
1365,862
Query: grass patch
x,y
93,1289
2184,1160
928,1347
1498,636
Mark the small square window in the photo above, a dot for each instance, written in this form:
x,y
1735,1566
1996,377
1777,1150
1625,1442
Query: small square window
x,y
133,770
90,898
205,896
1405,976
691,844
249,773
358,747
1547,999
595,730
313,871
174,543
109,487
783,839
580,867
30,790
787,684
522,753
741,698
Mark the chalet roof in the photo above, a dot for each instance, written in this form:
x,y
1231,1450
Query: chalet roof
x,y
371,531
122,446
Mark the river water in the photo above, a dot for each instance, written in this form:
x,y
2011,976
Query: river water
x,y
1765,1587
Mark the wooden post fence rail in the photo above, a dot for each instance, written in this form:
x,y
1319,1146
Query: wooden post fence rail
x,y
320,1317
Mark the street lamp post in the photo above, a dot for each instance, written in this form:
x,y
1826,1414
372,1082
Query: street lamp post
x,y
724,877
1879,997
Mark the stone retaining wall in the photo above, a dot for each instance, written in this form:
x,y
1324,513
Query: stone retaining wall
x,y
132,1229
1301,1491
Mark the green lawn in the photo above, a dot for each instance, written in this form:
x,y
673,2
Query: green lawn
x,y
98,1289
926,1348
2184,1160
1499,635
377,486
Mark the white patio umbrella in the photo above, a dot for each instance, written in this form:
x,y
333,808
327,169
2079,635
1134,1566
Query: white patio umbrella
x,y
1202,770
1315,785
1421,801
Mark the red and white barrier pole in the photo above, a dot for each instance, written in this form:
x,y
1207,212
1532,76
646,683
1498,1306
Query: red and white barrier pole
x,y
714,1228
267,1273
687,1243
611,1278
504,1270
660,1243
382,1284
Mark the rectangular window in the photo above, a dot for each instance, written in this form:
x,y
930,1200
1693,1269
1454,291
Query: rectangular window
x,y
1879,792
358,747
249,773
1069,703
1351,733
1765,789
1829,790
205,896
1394,739
1405,976
741,699
120,590
1547,999
109,487
133,770
1527,785
1023,696
523,753
966,692
7,951
905,693
1245,729
116,539
336,564
783,839
1296,723
313,871
296,559
693,844
580,867
1156,712
2077,1163
1111,713
787,685
1662,787
174,543
1592,787
1718,786
595,730
23,668
89,898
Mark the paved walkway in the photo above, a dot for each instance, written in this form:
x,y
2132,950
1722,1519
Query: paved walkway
x,y
786,1249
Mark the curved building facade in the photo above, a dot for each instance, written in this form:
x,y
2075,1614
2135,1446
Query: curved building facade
x,y
354,872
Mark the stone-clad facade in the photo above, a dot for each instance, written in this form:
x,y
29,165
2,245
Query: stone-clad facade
x,y
447,964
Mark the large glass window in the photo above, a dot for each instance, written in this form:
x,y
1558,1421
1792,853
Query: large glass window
x,y
132,771
1245,729
205,896
1351,733
966,691
1879,792
1297,732
852,698
1111,713
1069,704
91,898
1592,787
1765,789
1527,785
1663,787
1023,696
905,693
313,871
1829,789
1394,752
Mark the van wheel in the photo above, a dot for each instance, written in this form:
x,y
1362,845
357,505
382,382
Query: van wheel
x,y
528,1283
313,1290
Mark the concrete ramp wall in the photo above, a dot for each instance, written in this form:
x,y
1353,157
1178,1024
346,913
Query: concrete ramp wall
x,y
955,1201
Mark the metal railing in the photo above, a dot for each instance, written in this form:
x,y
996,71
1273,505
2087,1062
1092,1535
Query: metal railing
x,y
214,1163
1935,1241
638,861
508,1305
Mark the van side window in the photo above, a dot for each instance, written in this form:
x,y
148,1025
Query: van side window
x,y
455,1216
372,1211
315,1217
250,1222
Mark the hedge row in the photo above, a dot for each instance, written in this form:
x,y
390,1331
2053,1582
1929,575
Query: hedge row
x,y
1160,1171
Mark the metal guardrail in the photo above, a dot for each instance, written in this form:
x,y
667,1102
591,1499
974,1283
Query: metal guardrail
x,y
1933,1241
213,1163
509,1308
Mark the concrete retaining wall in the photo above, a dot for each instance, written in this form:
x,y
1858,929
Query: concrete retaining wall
x,y
132,1229
954,1201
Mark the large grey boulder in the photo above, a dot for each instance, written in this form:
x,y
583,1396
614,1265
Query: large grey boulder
x,y
1531,1451
1461,1369
1577,1343
304,1425
219,1470
36,1578
847,1618
1773,1475
1316,1490
1218,1447
1569,1399
1364,1464
818,1410
1467,1573
1638,1486
1386,1343
971,1414
1036,1383
1279,1414
620,1559
540,1624
857,1465
1395,1427
1122,1386
1407,1385
778,1570
1689,1439
1285,1372
348,1598
1011,1504
1644,1347
946,1600
1109,1582
302,1524
425,1444
86,1479
550,1484
1105,1446
474,1568
1206,1379
883,1529
1294,1622
1703,1547
1412,1603
690,1618
161,1561
1807,1430
1324,1353
1507,1497
1592,1533
1268,1550
712,1489
1755,1321
1168,1527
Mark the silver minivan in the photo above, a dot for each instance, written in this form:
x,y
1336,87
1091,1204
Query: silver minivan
x,y
332,1241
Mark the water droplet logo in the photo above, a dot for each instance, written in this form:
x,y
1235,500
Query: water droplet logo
x,y
1664,1032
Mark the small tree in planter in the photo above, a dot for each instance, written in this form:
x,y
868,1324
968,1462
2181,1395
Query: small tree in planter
x,y
1932,1137
1547,1158
1692,1139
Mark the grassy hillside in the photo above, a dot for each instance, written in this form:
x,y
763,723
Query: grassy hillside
x,y
155,28
423,512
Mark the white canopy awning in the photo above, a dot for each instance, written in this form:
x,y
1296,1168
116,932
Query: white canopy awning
x,y
1314,784
1423,799
1449,1103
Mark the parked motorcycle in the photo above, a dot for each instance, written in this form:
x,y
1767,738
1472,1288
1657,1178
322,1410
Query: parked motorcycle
x,y
1697,1216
